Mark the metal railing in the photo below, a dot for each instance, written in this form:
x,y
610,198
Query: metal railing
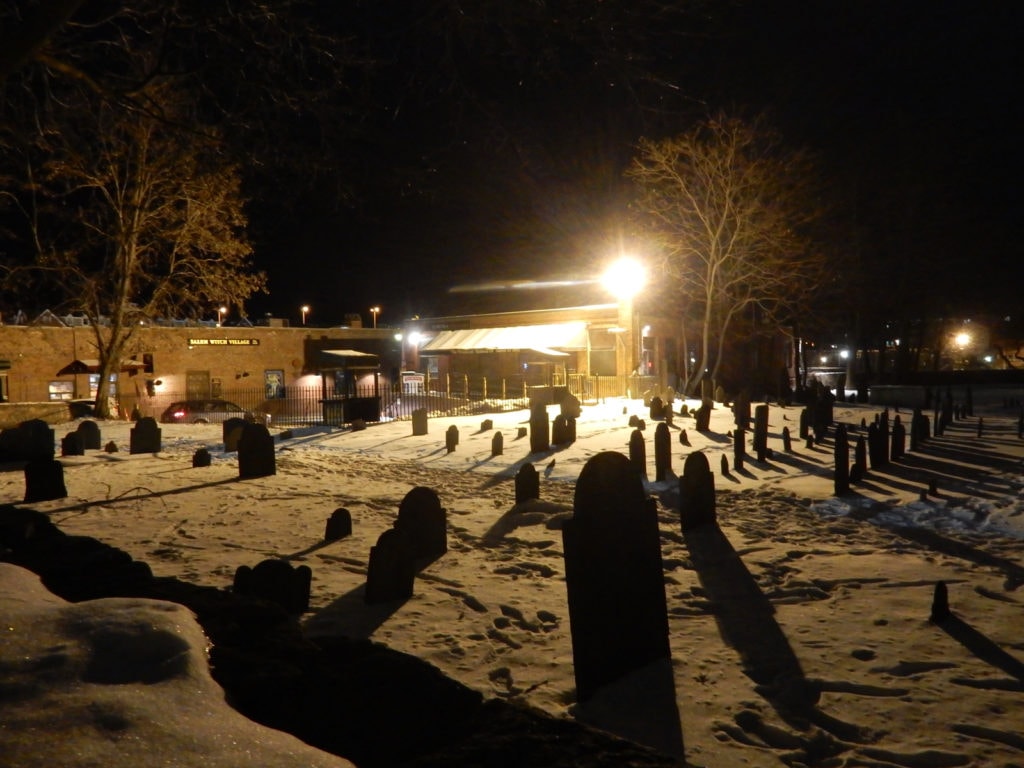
x,y
450,395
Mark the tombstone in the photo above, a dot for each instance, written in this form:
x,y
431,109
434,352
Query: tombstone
x,y
424,523
899,439
761,432
981,426
520,433
339,525
486,425
276,581
638,452
739,449
668,414
657,409
71,445
696,492
90,432
741,409
787,440
44,480
725,465
860,457
634,421
805,423
841,452
451,438
144,437
540,439
683,437
231,431
110,447
874,453
703,415
940,603
662,452
570,406
391,571
527,483
256,455
563,430
201,458
497,444
614,575
35,440
419,421
357,425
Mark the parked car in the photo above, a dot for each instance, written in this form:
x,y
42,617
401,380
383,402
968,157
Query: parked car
x,y
210,411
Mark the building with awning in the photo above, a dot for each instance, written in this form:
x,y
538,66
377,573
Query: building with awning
x,y
552,339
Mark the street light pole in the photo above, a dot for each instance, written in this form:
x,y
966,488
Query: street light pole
x,y
305,311
374,311
221,312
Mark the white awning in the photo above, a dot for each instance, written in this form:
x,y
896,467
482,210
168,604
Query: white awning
x,y
548,339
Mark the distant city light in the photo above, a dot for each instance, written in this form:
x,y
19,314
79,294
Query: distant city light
x,y
962,339
844,354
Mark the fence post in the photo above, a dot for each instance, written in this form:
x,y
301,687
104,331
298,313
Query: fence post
x,y
448,384
504,396
485,387
465,385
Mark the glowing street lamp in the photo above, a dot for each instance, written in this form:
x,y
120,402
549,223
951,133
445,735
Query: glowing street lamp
x,y
374,311
221,312
624,279
962,339
305,311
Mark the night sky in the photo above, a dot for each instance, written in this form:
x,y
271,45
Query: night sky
x,y
493,147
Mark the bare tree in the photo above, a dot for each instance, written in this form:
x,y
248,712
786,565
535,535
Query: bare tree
x,y
135,219
730,211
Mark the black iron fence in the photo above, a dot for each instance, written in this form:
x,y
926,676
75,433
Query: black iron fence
x,y
451,395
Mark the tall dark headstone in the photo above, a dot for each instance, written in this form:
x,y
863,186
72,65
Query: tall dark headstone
x,y
44,480
614,576
144,437
739,449
899,439
90,432
497,444
419,421
35,440
638,452
787,440
540,436
940,603
741,409
841,453
860,457
391,571
761,431
703,415
277,581
451,438
256,455
662,452
424,523
339,525
527,483
696,492
805,423
231,432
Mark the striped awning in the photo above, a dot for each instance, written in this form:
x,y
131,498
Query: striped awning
x,y
548,339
